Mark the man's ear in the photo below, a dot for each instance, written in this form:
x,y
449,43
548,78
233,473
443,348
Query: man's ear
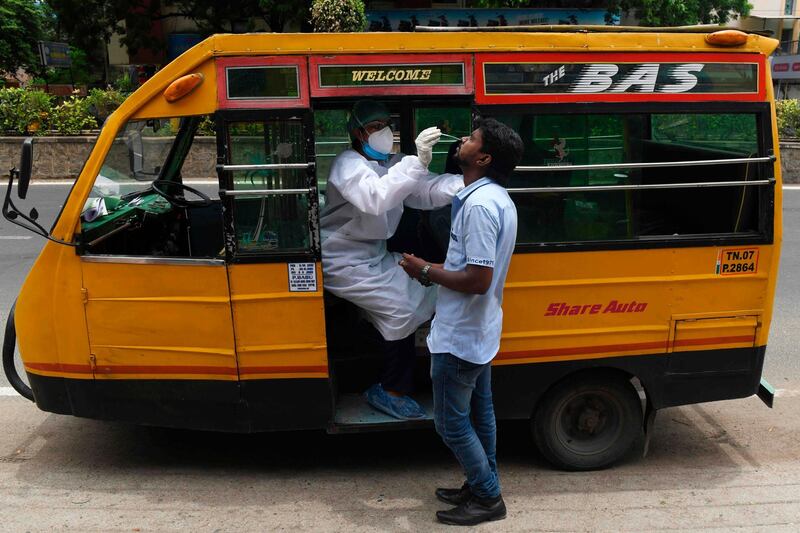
x,y
484,161
359,134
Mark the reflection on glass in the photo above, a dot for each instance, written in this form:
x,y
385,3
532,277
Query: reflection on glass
x,y
262,82
269,222
564,141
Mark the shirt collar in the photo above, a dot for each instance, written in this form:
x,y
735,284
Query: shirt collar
x,y
466,191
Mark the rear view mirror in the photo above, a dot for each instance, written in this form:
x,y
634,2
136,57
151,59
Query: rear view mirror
x,y
25,168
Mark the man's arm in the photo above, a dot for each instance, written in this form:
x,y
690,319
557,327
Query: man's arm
x,y
436,191
474,279
480,231
374,194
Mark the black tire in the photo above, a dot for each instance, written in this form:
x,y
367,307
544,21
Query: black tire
x,y
10,369
588,421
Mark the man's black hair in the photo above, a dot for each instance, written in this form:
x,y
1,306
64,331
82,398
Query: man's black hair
x,y
504,145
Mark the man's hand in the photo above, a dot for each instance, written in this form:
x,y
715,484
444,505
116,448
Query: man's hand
x,y
425,141
412,265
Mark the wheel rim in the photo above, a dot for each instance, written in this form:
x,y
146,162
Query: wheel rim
x,y
589,422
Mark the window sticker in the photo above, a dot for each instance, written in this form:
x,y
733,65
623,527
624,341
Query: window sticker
x,y
737,261
596,78
302,277
388,75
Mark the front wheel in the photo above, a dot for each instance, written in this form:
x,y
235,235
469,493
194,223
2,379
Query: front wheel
x,y
9,359
587,421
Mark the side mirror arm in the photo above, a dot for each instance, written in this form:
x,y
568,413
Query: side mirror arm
x,y
28,222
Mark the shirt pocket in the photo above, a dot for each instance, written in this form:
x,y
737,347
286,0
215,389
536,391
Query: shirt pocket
x,y
455,250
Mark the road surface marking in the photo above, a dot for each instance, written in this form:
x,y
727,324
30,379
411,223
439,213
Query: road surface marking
x,y
15,237
8,391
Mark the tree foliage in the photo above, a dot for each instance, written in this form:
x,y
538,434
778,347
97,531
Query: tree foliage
x,y
92,22
649,12
338,15
683,12
21,24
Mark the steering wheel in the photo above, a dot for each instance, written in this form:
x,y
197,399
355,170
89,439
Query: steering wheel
x,y
160,187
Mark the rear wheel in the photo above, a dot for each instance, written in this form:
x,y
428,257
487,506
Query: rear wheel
x,y
587,421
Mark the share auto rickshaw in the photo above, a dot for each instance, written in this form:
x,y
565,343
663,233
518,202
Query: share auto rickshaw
x,y
181,284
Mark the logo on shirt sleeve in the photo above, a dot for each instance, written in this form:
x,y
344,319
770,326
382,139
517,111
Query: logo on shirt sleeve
x,y
480,261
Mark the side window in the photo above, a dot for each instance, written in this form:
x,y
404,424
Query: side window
x,y
619,204
124,215
271,195
136,157
453,121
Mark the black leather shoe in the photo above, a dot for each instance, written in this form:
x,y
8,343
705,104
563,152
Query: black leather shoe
x,y
454,496
474,511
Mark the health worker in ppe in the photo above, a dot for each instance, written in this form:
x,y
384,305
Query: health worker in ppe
x,y
366,194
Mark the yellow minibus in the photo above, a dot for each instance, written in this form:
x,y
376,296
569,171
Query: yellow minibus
x,y
181,285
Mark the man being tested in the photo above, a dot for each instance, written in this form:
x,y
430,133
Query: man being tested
x,y
365,199
465,335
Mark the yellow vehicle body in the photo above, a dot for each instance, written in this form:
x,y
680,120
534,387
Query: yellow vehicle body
x,y
662,313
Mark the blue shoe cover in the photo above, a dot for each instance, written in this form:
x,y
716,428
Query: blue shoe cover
x,y
402,407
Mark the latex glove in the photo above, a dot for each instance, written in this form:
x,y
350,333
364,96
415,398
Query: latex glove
x,y
425,141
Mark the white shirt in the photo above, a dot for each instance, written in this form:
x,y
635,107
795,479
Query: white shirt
x,y
483,232
363,208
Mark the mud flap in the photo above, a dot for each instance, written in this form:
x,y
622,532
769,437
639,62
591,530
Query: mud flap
x,y
766,392
649,422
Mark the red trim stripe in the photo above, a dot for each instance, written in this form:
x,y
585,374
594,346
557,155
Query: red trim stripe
x,y
147,369
587,350
60,367
246,371
716,340
583,350
322,369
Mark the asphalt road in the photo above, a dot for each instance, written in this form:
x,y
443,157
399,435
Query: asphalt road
x,y
720,466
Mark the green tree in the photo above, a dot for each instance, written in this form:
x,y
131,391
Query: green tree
x,y
649,12
682,12
20,27
89,23
338,15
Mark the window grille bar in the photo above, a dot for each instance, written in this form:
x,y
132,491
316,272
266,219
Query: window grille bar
x,y
593,188
657,164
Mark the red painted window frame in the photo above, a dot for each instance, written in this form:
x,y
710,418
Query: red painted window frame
x,y
617,57
389,59
300,62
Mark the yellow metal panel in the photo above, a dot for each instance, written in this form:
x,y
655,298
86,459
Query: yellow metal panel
x,y
383,42
159,321
583,305
201,101
714,333
279,334
49,318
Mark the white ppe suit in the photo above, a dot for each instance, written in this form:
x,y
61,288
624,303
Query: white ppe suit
x,y
363,208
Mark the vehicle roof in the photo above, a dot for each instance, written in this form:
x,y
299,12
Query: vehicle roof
x,y
547,39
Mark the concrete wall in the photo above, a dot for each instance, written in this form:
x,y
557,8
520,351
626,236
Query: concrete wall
x,y
63,157
790,161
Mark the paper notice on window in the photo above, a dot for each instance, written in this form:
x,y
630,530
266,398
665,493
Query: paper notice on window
x,y
302,277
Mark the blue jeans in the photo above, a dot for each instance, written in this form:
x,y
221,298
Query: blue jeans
x,y
461,388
